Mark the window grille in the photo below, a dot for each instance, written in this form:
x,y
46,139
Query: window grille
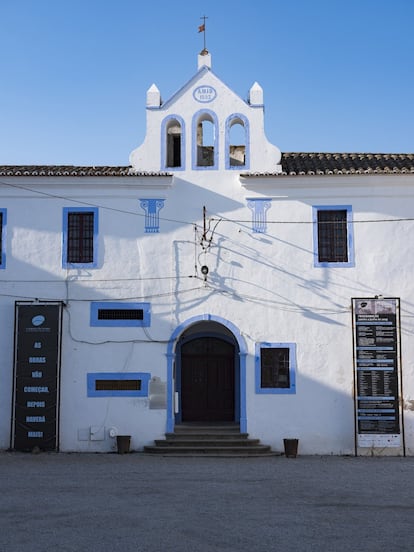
x,y
332,236
117,385
120,314
80,237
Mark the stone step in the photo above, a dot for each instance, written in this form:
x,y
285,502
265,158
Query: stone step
x,y
201,450
206,436
197,441
211,439
207,428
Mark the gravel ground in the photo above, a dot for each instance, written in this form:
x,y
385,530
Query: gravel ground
x,y
133,502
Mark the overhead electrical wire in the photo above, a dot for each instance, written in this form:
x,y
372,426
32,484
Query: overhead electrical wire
x,y
88,204
213,218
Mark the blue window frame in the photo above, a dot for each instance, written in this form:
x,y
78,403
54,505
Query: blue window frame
x,y
80,237
333,236
117,314
275,368
118,384
3,227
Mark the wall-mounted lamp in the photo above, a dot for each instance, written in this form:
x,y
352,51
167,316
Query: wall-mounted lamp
x,y
204,271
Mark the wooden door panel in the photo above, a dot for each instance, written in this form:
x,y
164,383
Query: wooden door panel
x,y
207,380
193,387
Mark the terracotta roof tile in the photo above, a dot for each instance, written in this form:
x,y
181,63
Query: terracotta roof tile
x,y
345,163
71,170
293,164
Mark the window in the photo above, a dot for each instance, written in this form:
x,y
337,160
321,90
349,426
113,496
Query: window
x,y
80,229
237,142
173,143
205,140
118,384
333,236
276,368
114,314
3,221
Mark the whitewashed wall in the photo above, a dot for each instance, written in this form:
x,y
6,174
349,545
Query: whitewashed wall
x,y
264,284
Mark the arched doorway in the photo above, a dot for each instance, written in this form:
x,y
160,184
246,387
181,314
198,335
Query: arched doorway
x,y
207,380
207,375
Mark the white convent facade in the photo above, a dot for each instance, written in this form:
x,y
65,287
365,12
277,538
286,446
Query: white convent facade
x,y
214,279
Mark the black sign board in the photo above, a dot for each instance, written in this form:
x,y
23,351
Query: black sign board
x,y
36,375
377,372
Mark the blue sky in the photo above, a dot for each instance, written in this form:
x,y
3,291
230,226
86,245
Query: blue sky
x,y
337,74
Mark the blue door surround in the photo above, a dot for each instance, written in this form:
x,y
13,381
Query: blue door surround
x,y
173,364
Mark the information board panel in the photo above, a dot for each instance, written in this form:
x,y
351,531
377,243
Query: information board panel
x,y
36,375
376,326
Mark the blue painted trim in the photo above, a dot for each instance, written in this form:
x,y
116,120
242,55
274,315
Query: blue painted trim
x,y
350,235
292,369
97,305
199,75
152,208
200,115
164,125
171,359
204,70
218,335
93,376
3,238
66,211
233,119
259,207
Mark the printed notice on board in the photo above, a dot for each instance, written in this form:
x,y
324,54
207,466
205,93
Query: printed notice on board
x,y
36,386
377,372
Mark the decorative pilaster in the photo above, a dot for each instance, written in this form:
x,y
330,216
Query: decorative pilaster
x,y
152,208
259,208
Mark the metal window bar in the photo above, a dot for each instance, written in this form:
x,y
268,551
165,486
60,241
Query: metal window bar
x,y
332,236
118,385
80,237
120,314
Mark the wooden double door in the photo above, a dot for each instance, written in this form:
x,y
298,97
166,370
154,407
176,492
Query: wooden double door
x,y
207,380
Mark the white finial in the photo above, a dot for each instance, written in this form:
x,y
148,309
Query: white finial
x,y
204,59
256,94
153,97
